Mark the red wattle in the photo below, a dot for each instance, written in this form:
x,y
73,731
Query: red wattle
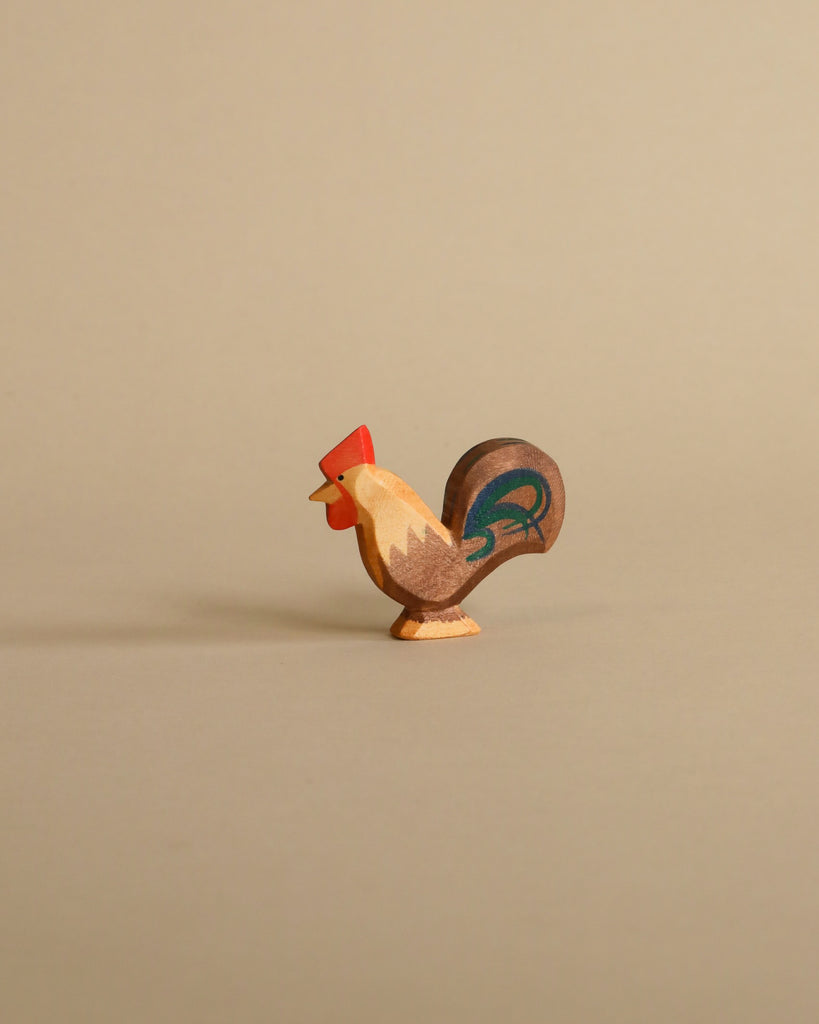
x,y
342,514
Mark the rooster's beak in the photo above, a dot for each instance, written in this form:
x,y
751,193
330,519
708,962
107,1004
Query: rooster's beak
x,y
328,493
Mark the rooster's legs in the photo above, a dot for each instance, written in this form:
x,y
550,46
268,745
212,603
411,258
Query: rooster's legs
x,y
433,624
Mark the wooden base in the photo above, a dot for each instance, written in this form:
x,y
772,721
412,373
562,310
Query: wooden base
x,y
438,624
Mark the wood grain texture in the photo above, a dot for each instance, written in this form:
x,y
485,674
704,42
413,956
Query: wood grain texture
x,y
505,497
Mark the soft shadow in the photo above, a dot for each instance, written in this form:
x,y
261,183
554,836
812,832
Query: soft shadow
x,y
217,619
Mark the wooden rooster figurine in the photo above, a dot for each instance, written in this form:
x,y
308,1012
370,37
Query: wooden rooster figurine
x,y
503,498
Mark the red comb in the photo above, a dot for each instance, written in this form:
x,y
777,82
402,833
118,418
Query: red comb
x,y
355,450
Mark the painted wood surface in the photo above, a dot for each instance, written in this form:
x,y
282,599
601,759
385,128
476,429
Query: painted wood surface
x,y
505,497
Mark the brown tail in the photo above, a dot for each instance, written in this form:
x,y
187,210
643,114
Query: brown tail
x,y
504,497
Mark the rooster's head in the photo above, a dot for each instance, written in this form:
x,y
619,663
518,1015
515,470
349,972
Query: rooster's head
x,y
354,451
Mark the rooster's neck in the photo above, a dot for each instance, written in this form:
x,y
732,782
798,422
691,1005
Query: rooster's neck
x,y
389,513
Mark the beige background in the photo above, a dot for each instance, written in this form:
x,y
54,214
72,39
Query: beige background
x,y
232,233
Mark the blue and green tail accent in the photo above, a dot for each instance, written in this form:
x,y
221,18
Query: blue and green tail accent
x,y
489,508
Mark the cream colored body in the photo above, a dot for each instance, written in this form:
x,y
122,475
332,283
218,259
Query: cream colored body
x,y
388,510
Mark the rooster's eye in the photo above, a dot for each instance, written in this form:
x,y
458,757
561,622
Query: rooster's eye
x,y
340,476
